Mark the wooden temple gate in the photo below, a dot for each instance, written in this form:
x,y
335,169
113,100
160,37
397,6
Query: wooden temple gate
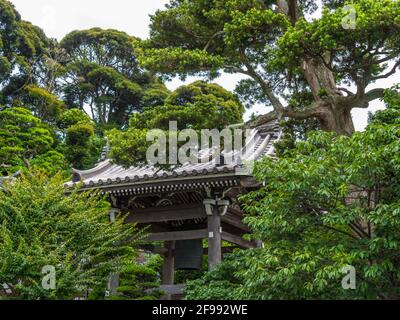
x,y
182,208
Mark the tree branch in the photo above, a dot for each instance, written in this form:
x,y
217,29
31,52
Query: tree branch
x,y
390,73
265,86
313,110
310,111
339,231
259,121
347,91
289,8
362,99
219,33
374,94
359,230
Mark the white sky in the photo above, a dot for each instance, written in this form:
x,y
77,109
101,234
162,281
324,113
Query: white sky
x,y
59,17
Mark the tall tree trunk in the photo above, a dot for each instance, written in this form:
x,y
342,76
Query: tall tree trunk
x,y
333,116
338,121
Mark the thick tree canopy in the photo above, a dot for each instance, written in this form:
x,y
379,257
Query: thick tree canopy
x,y
82,146
283,52
102,74
22,137
22,46
197,106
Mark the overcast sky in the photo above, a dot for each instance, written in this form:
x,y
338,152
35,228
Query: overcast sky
x,y
58,17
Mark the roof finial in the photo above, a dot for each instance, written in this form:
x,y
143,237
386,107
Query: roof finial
x,y
105,152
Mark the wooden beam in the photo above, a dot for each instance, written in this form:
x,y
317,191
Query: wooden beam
x,y
166,214
162,251
234,220
178,235
238,241
159,250
224,250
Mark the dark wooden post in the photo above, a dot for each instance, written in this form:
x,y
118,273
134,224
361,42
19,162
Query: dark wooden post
x,y
113,282
214,238
169,264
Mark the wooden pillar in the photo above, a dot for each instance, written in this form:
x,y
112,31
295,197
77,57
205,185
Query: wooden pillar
x,y
214,238
113,281
169,264
113,284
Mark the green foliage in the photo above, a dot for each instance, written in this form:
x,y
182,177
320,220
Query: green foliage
x,y
21,47
103,73
139,281
79,133
44,105
197,106
42,226
22,137
329,202
25,141
82,146
52,162
390,115
219,284
155,96
220,28
376,23
294,130
180,62
128,147
72,117
184,276
103,47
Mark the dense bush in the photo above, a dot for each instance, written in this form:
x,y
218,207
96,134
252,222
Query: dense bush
x,y
42,226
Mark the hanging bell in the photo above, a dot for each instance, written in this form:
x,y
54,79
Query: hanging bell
x,y
189,254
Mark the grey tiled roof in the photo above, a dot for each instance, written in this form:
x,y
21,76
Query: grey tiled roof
x,y
106,174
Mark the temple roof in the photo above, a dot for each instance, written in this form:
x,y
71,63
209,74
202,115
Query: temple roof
x,y
107,175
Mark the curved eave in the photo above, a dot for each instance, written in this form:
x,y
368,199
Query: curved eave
x,y
170,184
87,174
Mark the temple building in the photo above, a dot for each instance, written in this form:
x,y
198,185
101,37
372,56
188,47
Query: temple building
x,y
183,208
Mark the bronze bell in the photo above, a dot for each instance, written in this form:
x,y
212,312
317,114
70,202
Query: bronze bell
x,y
189,255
